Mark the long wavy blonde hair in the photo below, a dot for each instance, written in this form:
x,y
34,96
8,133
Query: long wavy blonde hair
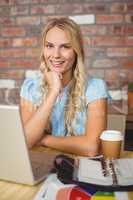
x,y
76,100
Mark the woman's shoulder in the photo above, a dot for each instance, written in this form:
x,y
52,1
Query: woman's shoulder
x,y
32,81
31,87
96,88
93,81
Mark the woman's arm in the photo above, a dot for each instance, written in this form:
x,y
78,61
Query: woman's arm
x,y
36,120
87,144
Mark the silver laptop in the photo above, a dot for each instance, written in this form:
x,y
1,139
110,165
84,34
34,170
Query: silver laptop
x,y
17,163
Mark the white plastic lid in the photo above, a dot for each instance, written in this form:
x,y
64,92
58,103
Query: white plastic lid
x,y
111,135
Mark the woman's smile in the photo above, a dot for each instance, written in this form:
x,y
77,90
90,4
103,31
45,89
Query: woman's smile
x,y
56,64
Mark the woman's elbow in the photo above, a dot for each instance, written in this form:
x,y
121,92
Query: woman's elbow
x,y
31,142
30,145
91,151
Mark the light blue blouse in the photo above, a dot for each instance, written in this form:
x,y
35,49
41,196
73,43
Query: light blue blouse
x,y
95,89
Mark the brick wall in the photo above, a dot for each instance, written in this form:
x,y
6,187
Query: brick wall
x,y
107,27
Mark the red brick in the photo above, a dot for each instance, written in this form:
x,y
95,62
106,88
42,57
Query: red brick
x,y
46,18
129,18
19,82
88,51
105,63
42,1
12,74
27,42
24,63
45,9
120,30
96,72
116,30
129,30
4,63
129,7
19,10
4,10
93,7
12,53
109,19
130,51
123,77
93,52
108,41
13,96
112,77
127,63
118,7
13,31
32,52
119,52
130,75
99,52
19,1
88,62
6,21
4,2
20,53
129,41
112,41
5,42
30,20
94,30
68,8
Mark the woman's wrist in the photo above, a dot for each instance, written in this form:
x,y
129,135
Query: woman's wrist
x,y
53,92
45,140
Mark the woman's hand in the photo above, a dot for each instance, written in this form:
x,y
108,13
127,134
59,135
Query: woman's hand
x,y
44,141
54,81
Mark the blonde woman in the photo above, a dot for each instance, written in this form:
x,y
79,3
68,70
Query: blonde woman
x,y
63,108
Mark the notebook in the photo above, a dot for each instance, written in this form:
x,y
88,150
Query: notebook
x,y
97,173
116,174
17,163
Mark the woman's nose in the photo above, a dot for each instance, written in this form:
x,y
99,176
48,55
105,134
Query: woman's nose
x,y
56,53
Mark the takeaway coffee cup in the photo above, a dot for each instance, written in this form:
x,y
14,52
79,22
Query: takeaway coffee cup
x,y
111,141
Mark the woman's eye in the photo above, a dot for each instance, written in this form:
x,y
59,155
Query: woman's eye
x,y
49,46
66,47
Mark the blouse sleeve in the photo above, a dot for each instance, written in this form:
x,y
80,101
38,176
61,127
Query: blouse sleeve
x,y
31,90
96,89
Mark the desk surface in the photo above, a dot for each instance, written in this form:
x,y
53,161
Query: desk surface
x,y
14,191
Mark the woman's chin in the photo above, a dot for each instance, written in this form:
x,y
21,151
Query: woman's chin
x,y
56,69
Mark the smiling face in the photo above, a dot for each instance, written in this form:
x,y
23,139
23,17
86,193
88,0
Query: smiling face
x,y
58,52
